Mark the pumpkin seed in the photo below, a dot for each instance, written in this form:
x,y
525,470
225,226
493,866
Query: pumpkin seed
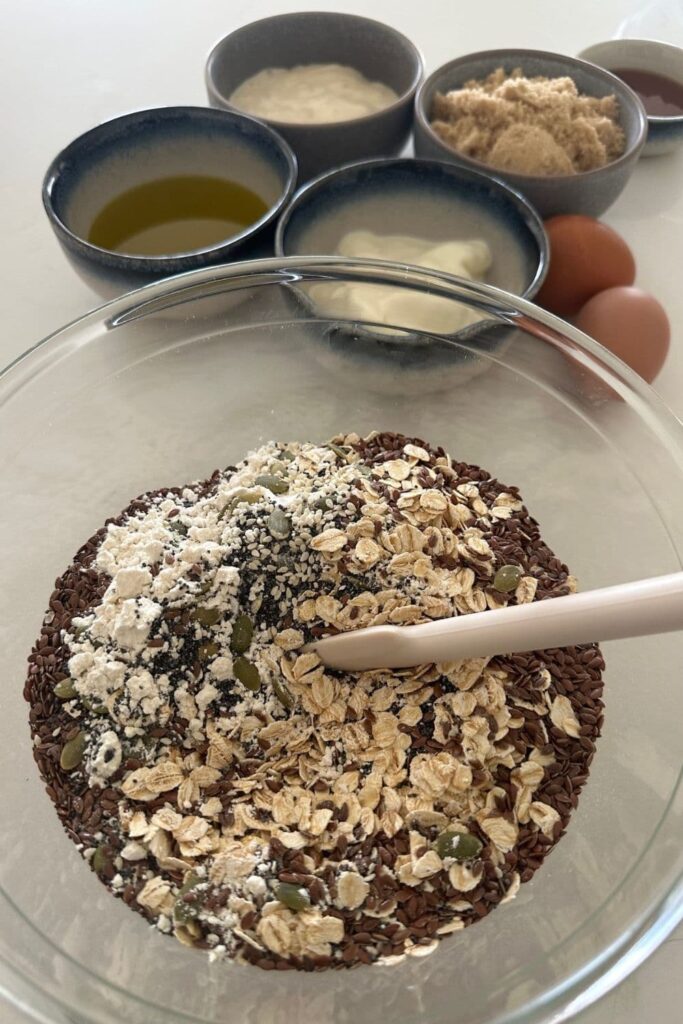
x,y
183,912
292,896
278,524
206,616
343,453
507,578
247,673
100,860
242,633
72,752
94,707
207,650
241,498
323,504
283,694
272,483
460,846
65,690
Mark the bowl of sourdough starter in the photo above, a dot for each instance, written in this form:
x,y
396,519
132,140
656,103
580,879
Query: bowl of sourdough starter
x,y
112,786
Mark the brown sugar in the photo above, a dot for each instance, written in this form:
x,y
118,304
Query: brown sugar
x,y
538,126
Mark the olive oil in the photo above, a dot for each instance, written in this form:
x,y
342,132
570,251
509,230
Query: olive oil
x,y
175,215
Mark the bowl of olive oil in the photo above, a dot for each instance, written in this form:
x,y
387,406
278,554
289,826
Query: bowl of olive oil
x,y
158,192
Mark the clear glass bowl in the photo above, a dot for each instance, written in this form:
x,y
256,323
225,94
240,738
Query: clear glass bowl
x,y
163,385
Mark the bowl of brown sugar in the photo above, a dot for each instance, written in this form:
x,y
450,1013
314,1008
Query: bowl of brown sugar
x,y
564,132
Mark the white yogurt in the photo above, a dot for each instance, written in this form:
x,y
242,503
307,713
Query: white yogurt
x,y
311,94
405,308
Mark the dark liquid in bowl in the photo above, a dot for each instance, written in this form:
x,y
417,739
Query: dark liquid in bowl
x,y
661,96
175,215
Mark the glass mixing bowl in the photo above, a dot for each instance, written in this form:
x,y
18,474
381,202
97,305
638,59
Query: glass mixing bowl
x,y
163,385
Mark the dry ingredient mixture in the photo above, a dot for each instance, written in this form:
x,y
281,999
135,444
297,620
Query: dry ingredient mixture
x,y
468,258
311,94
540,126
240,796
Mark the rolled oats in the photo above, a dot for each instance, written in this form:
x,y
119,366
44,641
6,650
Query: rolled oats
x,y
252,801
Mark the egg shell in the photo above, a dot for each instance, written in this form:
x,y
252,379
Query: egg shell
x,y
631,324
586,257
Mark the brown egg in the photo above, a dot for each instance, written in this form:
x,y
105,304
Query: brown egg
x,y
632,325
586,257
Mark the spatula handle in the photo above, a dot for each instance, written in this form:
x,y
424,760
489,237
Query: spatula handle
x,y
641,608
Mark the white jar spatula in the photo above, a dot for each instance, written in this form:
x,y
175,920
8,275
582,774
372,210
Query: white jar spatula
x,y
641,608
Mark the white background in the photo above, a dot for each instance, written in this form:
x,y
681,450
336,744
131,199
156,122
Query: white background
x,y
66,65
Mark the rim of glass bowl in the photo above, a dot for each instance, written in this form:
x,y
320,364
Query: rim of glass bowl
x,y
664,910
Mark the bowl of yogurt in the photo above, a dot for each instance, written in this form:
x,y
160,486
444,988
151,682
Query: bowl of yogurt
x,y
337,87
446,219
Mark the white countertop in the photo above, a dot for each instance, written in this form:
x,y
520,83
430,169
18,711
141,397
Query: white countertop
x,y
67,66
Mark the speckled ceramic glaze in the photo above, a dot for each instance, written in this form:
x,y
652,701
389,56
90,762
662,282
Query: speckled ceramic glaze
x,y
664,134
315,37
149,144
425,198
590,192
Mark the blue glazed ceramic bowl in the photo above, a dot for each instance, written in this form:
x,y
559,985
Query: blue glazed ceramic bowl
x,y
427,199
589,192
150,144
664,134
424,198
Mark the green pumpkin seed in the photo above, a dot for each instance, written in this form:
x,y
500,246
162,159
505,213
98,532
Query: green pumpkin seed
x,y
278,524
343,453
241,498
178,528
100,860
460,846
184,912
94,707
323,504
206,616
286,455
65,690
507,578
72,752
207,650
247,673
272,483
292,896
242,633
283,694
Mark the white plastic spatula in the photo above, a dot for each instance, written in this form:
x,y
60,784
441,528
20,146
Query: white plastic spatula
x,y
640,608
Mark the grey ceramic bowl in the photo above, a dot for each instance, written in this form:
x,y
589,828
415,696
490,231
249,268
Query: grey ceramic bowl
x,y
664,134
425,198
315,37
590,192
158,143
